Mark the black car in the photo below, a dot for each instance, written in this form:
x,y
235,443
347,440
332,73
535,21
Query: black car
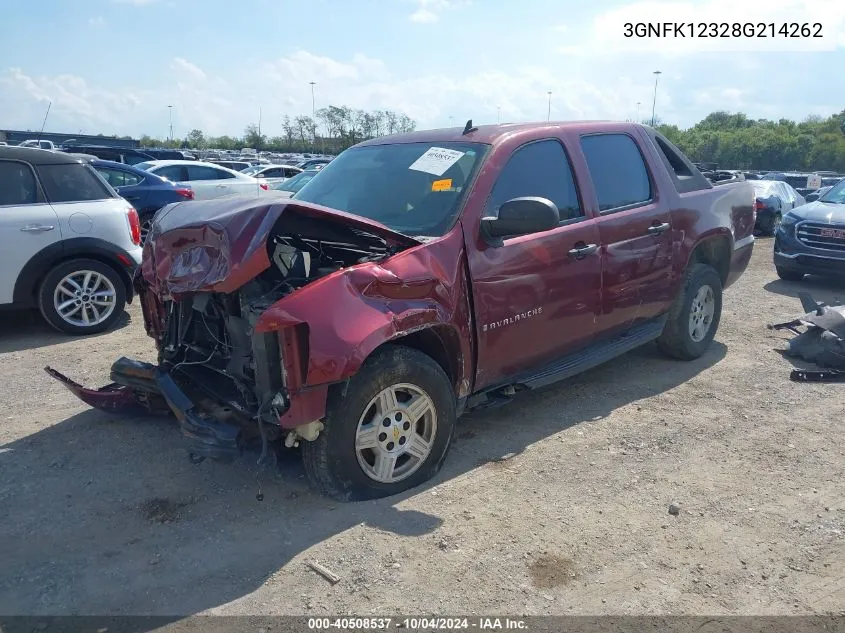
x,y
811,238
124,155
774,199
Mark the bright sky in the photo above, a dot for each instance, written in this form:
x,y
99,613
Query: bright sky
x,y
113,66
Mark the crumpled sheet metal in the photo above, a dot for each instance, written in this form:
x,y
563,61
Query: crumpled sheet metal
x,y
822,340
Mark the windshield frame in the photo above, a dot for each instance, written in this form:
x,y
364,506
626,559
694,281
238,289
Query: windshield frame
x,y
452,216
837,188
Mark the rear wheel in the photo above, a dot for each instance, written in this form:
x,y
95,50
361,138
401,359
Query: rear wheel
x,y
82,296
694,316
789,275
388,430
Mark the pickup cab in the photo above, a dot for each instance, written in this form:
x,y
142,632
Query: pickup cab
x,y
419,276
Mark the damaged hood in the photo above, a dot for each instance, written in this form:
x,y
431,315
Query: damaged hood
x,y
219,245
818,211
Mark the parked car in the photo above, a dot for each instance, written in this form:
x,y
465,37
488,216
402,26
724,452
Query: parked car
x,y
144,190
168,154
272,172
68,242
207,180
313,162
420,276
287,188
39,144
116,154
773,199
811,238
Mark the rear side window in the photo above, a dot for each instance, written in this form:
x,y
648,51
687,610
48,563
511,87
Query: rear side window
x,y
201,172
72,183
174,173
538,169
618,171
17,184
118,178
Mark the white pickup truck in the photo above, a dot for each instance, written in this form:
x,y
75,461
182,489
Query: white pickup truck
x,y
39,144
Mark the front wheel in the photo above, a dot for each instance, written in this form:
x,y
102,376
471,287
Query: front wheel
x,y
694,316
82,296
386,431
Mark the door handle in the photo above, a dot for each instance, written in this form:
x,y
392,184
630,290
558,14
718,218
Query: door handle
x,y
657,229
220,186
37,228
581,250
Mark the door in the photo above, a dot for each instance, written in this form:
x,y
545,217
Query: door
x,y
205,182
536,296
28,223
635,230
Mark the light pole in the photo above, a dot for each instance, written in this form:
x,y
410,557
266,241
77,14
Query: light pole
x,y
450,120
549,113
498,115
654,102
638,111
313,107
170,110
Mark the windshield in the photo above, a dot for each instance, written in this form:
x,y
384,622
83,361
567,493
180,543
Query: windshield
x,y
835,195
413,188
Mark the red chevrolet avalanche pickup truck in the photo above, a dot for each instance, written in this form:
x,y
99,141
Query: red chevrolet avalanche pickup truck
x,y
419,276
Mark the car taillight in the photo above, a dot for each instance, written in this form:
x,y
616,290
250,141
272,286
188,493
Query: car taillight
x,y
264,186
759,205
186,193
134,226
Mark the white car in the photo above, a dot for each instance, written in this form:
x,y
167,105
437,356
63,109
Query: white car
x,y
207,180
69,244
38,143
272,173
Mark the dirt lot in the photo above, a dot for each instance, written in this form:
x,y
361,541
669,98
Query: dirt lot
x,y
104,515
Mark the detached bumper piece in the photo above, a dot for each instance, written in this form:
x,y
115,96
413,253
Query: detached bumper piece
x,y
136,384
820,339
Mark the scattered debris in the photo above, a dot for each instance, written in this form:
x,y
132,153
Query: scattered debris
x,y
674,508
822,342
324,571
505,457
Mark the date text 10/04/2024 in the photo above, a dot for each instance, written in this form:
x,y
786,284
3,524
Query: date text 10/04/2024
x,y
722,29
429,623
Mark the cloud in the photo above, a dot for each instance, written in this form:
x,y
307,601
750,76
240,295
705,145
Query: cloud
x,y
184,66
137,3
96,22
428,11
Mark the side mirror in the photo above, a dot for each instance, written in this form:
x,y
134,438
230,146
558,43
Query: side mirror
x,y
521,216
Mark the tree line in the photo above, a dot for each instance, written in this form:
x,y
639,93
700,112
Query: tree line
x,y
331,130
735,141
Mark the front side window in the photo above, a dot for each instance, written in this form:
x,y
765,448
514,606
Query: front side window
x,y
17,184
617,169
72,183
413,188
538,169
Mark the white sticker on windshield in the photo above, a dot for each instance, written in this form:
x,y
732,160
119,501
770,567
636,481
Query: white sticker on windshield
x,y
436,161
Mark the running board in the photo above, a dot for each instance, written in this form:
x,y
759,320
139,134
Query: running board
x,y
594,355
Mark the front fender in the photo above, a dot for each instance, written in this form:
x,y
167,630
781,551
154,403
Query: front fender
x,y
348,314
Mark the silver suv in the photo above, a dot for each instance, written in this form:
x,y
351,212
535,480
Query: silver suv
x,y
69,243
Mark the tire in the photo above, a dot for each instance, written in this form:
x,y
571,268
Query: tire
x,y
108,281
676,340
334,464
771,225
789,275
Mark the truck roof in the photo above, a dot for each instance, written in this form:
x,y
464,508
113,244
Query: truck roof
x,y
493,134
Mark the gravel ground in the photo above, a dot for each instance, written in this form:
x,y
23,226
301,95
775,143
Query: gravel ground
x,y
102,515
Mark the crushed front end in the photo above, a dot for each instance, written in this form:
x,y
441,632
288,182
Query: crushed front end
x,y
210,272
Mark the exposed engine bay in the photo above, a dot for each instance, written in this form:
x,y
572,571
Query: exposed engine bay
x,y
210,338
